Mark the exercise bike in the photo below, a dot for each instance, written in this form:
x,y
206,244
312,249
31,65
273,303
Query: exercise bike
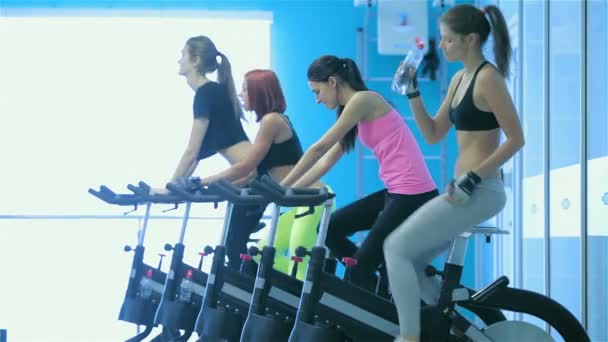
x,y
145,285
275,295
226,292
332,310
183,288
444,317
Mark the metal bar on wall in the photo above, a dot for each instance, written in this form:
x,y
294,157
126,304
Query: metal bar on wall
x,y
361,62
584,157
478,260
546,164
518,181
479,264
443,92
368,14
363,40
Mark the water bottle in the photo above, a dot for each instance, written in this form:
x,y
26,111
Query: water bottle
x,y
185,290
411,61
145,291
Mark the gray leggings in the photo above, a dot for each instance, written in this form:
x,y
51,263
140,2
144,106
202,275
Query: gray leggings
x,y
422,237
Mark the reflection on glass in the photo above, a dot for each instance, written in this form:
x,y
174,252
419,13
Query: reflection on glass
x,y
507,217
533,122
564,157
597,169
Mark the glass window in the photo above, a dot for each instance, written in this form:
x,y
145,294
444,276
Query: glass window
x,y
564,156
533,121
597,169
507,218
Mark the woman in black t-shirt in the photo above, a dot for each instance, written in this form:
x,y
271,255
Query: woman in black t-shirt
x,y
216,128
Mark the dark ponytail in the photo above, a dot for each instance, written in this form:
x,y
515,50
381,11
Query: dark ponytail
x,y
502,41
346,70
466,19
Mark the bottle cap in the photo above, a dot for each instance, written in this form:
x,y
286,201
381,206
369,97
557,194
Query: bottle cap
x,y
419,43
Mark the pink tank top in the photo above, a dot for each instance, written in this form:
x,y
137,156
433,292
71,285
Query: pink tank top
x,y
402,166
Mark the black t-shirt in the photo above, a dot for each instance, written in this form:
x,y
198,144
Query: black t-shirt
x,y
211,102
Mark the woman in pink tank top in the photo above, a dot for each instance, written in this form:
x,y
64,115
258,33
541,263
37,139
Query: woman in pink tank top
x,y
336,82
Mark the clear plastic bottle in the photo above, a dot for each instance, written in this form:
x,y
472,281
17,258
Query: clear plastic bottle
x,y
411,61
185,290
145,291
145,285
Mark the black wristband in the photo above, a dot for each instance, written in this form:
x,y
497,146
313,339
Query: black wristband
x,y
474,177
413,95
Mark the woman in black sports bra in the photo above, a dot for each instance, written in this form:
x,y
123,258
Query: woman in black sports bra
x,y
275,151
276,147
479,106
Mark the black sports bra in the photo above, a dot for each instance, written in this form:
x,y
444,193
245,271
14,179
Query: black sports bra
x,y
286,153
466,116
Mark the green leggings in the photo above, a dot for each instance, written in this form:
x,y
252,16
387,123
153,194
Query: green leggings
x,y
291,233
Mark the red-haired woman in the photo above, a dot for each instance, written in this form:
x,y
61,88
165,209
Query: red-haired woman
x,y
275,150
276,147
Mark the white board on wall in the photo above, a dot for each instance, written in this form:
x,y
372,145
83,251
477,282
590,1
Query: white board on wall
x,y
399,23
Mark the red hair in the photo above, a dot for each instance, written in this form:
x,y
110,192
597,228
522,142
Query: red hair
x,y
264,92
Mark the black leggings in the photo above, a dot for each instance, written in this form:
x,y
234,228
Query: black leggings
x,y
243,221
380,212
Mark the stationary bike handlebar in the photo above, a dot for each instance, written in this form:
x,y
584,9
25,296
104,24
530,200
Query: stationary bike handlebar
x,y
143,191
235,194
290,197
105,194
192,191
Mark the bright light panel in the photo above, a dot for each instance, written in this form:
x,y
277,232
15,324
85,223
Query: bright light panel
x,y
87,101
97,100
